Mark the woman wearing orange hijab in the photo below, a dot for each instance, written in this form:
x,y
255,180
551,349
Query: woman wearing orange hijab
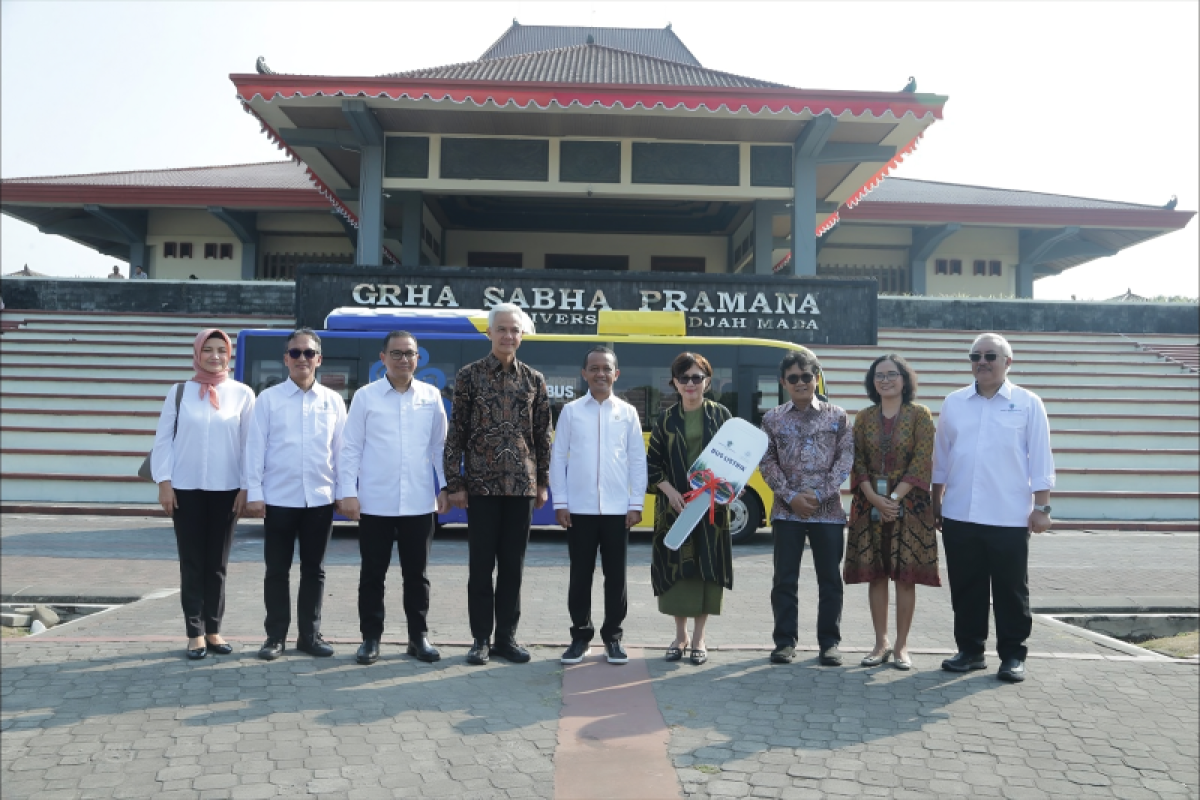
x,y
199,466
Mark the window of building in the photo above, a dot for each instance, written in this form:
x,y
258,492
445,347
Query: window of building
x,y
980,267
956,266
169,249
225,251
994,268
185,249
210,250
942,267
476,258
677,264
572,261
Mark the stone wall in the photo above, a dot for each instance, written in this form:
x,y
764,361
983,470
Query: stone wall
x,y
236,297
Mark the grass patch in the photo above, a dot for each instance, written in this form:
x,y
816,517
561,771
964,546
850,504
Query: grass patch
x,y
12,633
707,769
1182,645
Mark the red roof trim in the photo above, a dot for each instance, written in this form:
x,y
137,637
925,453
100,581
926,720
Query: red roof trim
x,y
1157,219
77,194
524,94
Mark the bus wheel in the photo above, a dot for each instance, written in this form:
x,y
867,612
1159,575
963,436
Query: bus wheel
x,y
745,515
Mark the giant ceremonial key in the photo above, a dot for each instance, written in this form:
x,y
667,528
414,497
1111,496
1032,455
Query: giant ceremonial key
x,y
718,475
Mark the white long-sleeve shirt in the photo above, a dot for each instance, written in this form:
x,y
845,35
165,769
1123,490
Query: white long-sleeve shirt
x,y
992,455
207,451
598,460
392,446
295,438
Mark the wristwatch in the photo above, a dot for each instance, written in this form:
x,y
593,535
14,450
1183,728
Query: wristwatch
x,y
1043,509
893,497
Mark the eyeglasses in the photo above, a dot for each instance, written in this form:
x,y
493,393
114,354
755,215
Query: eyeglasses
x,y
804,377
697,379
403,355
988,357
886,376
308,353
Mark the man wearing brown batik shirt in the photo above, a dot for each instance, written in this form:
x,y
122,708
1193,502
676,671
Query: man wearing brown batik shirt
x,y
497,463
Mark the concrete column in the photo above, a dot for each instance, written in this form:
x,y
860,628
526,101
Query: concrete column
x,y
1025,280
369,252
804,216
410,252
764,240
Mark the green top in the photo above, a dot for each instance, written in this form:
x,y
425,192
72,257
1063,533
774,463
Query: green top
x,y
693,433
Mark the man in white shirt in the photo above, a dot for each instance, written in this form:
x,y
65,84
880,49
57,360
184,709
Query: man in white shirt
x,y
598,481
392,447
291,465
992,462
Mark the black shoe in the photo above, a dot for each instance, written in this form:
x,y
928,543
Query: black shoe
x,y
511,651
197,653
368,652
479,653
831,657
576,652
422,650
1012,670
271,649
615,652
961,662
222,649
314,646
784,654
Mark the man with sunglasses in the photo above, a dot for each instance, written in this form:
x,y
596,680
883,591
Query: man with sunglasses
x,y
810,451
992,475
291,468
393,447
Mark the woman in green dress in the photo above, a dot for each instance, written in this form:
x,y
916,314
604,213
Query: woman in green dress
x,y
892,535
690,581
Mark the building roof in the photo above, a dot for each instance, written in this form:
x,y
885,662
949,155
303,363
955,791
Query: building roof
x,y
587,63
904,190
654,42
265,175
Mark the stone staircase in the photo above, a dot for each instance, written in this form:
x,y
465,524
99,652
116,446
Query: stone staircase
x,y
1124,422
80,395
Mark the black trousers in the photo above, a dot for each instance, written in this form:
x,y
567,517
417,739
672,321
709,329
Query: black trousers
x,y
413,537
282,528
828,545
587,534
497,535
982,559
203,533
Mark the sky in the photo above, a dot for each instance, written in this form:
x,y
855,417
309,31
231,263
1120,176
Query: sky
x,y
1092,99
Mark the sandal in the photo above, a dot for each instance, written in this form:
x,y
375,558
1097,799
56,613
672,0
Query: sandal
x,y
675,652
699,656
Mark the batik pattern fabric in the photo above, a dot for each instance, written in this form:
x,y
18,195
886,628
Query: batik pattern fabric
x,y
500,430
906,549
708,552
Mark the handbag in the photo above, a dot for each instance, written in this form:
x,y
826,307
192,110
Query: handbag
x,y
144,471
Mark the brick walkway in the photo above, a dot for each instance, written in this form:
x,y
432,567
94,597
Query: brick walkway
x,y
107,706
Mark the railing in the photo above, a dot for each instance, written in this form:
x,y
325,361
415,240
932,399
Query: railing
x,y
891,280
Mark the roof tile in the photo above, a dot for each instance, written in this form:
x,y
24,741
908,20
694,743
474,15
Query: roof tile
x,y
266,175
655,42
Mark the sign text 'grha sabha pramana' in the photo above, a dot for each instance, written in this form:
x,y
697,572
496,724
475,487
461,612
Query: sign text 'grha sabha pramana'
x,y
812,310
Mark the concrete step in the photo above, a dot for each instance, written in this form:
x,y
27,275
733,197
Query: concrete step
x,y
79,439
98,352
171,319
10,401
142,387
1091,479
76,488
1070,436
1141,458
1105,423
127,338
53,419
1101,505
180,370
121,463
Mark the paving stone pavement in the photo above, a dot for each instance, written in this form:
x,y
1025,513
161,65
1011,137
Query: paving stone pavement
x,y
107,707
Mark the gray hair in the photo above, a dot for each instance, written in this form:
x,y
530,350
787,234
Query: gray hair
x,y
519,313
1000,341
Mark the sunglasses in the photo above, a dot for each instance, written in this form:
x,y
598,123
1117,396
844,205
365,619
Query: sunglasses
x,y
407,355
804,377
988,357
697,379
309,353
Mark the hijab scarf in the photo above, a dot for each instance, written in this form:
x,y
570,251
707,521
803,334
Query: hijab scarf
x,y
208,380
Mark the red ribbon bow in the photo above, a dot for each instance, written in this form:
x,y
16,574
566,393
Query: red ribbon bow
x,y
708,482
